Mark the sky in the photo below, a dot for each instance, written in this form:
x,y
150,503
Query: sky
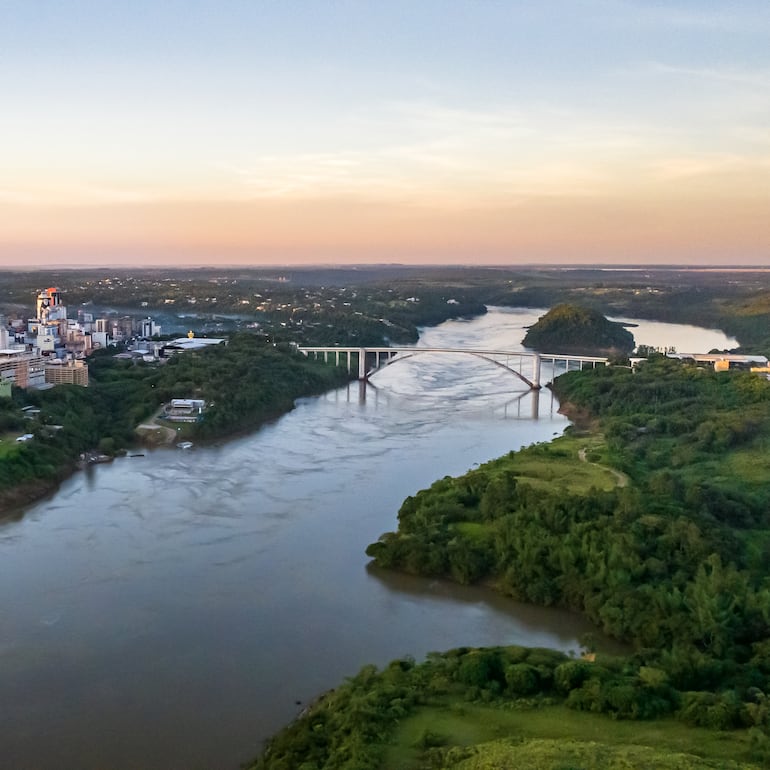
x,y
270,132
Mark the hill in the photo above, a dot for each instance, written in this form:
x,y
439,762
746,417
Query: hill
x,y
569,328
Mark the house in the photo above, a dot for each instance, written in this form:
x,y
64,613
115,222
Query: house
x,y
184,409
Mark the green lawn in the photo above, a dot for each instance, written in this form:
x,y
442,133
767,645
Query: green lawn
x,y
8,444
559,464
465,724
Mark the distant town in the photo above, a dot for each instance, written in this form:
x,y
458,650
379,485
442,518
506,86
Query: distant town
x,y
51,348
149,316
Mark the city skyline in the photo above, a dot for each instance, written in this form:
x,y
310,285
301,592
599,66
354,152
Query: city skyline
x,y
607,131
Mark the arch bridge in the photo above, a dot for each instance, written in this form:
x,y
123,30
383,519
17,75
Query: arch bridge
x,y
525,365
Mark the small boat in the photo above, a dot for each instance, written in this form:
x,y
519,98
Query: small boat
x,y
185,445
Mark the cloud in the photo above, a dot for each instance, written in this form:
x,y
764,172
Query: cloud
x,y
729,75
719,17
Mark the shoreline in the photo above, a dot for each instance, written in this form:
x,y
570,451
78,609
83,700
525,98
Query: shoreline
x,y
14,500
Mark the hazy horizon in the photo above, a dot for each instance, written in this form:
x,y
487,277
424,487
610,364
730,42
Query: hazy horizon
x,y
602,132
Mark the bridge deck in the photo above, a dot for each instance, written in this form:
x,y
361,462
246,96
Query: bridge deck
x,y
474,351
392,354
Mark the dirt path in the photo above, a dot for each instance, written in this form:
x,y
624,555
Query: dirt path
x,y
152,432
621,478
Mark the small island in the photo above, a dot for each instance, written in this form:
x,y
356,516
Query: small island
x,y
569,328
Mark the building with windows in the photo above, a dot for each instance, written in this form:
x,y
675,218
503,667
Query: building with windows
x,y
23,368
49,306
149,328
73,372
184,409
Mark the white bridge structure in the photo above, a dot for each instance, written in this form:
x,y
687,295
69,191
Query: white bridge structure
x,y
525,365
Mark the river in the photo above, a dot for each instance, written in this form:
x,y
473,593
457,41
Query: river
x,y
173,610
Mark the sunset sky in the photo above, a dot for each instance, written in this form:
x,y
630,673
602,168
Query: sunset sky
x,y
271,132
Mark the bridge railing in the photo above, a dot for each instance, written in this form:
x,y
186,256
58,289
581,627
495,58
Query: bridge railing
x,y
391,354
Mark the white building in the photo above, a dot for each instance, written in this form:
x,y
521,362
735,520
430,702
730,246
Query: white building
x,y
47,337
149,328
185,409
193,343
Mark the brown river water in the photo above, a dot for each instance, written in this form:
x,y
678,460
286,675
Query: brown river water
x,y
174,610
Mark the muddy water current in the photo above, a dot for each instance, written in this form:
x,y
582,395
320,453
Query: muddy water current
x,y
175,609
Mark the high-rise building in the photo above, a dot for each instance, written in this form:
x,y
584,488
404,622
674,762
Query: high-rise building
x,y
47,300
47,336
149,328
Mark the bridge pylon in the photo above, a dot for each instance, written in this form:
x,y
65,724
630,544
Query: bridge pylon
x,y
362,364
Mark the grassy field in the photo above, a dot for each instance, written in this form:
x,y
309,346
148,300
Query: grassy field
x,y
8,444
749,465
465,724
569,462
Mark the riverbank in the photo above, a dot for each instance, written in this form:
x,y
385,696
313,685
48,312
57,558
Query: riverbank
x,y
262,383
149,435
162,596
621,553
582,420
682,517
13,500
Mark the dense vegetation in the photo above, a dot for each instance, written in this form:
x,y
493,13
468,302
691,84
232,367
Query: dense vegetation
x,y
374,304
511,707
673,558
569,328
246,383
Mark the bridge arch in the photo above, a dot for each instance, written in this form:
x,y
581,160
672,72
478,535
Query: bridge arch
x,y
403,356
385,356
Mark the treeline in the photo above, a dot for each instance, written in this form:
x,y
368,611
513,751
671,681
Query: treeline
x,y
350,727
674,562
346,306
741,310
52,452
245,383
376,316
